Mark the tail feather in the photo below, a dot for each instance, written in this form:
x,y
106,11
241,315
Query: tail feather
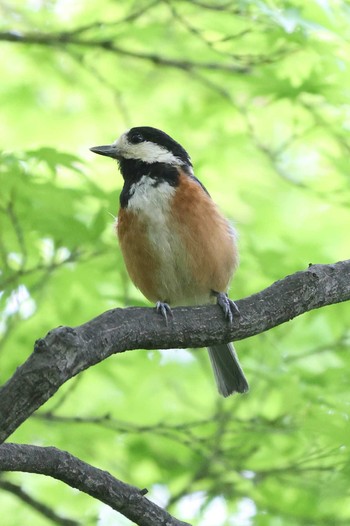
x,y
228,373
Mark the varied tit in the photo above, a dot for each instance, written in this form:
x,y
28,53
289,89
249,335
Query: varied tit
x,y
178,248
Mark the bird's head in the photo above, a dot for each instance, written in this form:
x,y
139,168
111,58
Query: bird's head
x,y
147,145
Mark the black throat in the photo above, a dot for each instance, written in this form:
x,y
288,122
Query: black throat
x,y
133,169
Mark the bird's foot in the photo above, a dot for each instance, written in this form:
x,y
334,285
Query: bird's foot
x,y
164,309
228,306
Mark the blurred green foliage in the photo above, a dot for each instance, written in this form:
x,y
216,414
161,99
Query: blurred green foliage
x,y
258,93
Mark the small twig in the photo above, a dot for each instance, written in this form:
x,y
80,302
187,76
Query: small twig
x,y
36,505
18,230
64,39
134,15
181,433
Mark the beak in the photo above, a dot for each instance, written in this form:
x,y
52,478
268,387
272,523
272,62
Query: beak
x,y
109,150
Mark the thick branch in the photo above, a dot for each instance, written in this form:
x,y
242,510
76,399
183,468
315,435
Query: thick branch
x,y
65,351
63,466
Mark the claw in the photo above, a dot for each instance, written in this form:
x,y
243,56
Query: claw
x,y
164,309
228,306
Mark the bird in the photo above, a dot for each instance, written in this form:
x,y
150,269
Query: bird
x,y
178,248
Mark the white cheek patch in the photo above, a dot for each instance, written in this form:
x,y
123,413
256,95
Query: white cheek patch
x,y
145,151
153,153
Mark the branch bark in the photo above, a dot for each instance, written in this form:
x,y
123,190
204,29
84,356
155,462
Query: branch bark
x,y
66,351
125,499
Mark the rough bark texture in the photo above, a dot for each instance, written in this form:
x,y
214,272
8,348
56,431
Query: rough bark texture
x,y
66,351
63,466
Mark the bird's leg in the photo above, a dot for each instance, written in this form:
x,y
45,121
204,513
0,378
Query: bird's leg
x,y
164,309
228,306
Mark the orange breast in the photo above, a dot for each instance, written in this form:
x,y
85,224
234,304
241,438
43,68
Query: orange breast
x,y
183,256
140,257
208,238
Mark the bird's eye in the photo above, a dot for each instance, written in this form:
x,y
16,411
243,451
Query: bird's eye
x,y
136,138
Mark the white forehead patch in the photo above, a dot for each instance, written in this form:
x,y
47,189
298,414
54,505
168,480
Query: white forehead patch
x,y
146,151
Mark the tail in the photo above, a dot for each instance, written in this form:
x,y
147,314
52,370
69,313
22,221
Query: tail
x,y
228,373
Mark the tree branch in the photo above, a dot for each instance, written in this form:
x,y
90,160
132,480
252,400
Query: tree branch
x,y
126,499
62,40
36,505
66,351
